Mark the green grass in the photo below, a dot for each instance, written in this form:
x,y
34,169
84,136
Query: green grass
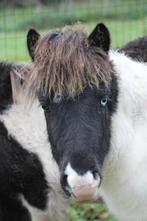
x,y
90,212
86,11
13,44
126,20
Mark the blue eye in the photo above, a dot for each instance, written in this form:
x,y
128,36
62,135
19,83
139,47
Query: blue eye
x,y
57,98
104,101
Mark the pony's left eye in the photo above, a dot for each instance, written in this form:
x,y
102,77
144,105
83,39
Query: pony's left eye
x,y
45,107
104,101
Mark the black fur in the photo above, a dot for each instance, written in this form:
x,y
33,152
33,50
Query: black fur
x,y
136,49
11,209
32,38
100,37
5,85
21,173
79,128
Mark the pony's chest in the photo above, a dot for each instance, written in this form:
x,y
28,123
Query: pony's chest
x,y
127,199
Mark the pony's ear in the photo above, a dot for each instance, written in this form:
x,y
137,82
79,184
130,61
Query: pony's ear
x,y
32,38
100,37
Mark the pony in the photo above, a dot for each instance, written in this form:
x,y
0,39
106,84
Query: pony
x,y
95,106
30,168
29,177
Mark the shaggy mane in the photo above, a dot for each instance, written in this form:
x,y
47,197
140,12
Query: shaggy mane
x,y
65,61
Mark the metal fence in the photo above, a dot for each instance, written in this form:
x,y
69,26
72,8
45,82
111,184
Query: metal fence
x,y
126,20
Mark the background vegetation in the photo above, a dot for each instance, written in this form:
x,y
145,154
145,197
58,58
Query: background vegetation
x,y
126,20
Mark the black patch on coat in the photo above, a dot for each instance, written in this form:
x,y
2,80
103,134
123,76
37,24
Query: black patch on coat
x,y
5,86
136,49
21,173
11,209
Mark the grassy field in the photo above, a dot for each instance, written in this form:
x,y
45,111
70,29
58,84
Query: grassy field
x,y
13,44
125,19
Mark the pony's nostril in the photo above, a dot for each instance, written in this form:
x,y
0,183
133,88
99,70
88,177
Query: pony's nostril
x,y
65,185
97,177
64,179
96,174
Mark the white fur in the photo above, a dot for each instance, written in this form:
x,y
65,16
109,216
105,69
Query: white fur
x,y
74,179
124,185
28,127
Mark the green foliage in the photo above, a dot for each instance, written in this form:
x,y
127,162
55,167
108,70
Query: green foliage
x,y
90,212
50,17
13,44
126,20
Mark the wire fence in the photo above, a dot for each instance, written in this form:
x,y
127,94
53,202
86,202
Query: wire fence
x,y
125,19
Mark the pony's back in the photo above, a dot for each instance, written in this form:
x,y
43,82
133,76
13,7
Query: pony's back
x,y
136,49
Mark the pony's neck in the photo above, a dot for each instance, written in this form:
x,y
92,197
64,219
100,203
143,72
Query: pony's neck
x,y
129,121
124,170
132,84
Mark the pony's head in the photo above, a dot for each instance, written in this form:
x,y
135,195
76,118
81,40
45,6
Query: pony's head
x,y
76,87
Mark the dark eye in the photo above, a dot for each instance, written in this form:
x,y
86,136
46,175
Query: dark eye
x,y
44,101
104,101
45,105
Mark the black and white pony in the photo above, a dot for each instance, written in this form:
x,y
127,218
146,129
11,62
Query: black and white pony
x,y
95,106
29,177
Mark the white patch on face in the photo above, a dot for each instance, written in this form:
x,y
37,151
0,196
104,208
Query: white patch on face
x,y
83,187
74,179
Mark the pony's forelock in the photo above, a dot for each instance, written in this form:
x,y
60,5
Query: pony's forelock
x,y
65,61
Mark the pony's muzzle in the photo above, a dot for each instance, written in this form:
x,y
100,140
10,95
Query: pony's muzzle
x,y
81,187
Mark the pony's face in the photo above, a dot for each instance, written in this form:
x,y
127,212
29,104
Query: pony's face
x,y
79,131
